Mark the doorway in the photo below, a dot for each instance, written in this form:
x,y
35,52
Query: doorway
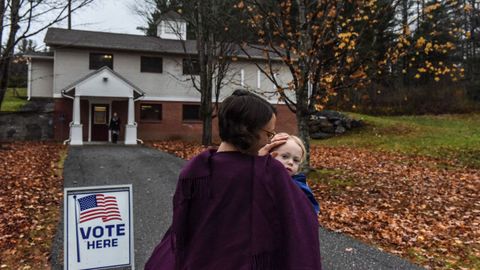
x,y
100,121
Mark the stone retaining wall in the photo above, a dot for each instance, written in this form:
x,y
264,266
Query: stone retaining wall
x,y
32,122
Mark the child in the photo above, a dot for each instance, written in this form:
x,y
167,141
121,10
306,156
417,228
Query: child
x,y
292,154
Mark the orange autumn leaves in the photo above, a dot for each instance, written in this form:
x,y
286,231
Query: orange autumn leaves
x,y
31,191
419,208
423,209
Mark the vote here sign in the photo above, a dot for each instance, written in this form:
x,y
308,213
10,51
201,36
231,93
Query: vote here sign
x,y
98,227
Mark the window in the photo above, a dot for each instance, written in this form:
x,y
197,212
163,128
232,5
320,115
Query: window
x,y
171,27
98,60
191,112
151,112
151,64
100,115
191,67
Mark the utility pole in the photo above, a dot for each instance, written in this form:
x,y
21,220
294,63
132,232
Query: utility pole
x,y
69,14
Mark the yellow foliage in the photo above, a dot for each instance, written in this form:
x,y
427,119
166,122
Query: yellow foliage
x,y
332,12
420,42
417,76
328,78
352,44
468,8
319,107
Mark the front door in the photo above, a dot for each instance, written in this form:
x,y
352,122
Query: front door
x,y
100,121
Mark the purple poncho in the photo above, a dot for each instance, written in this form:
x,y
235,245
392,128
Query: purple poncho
x,y
238,211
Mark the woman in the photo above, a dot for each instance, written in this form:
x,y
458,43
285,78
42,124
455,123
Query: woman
x,y
234,209
115,127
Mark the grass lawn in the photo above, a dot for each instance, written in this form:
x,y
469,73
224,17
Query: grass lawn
x,y
406,184
455,138
11,103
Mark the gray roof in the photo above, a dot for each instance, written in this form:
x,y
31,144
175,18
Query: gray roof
x,y
38,55
58,37
173,15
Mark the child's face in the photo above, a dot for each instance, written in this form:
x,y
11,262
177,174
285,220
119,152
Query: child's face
x,y
290,155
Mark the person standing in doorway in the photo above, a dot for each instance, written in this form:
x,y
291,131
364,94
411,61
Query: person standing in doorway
x,y
115,127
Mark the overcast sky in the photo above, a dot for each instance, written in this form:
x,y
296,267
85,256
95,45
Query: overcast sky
x,y
103,15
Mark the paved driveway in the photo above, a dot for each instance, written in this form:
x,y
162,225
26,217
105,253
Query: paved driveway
x,y
153,175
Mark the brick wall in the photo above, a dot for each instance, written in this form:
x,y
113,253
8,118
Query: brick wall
x,y
171,126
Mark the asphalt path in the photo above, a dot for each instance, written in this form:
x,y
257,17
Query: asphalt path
x,y
153,175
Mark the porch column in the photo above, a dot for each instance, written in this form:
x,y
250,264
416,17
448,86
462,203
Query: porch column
x,y
76,136
76,110
131,111
131,126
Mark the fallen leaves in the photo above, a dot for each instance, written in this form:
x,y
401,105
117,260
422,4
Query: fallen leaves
x,y
412,206
31,191
181,149
403,203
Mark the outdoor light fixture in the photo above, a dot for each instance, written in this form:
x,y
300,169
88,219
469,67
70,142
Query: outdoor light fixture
x,y
105,79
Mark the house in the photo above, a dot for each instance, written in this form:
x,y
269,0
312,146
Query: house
x,y
146,80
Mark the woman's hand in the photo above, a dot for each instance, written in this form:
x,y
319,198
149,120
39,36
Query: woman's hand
x,y
277,140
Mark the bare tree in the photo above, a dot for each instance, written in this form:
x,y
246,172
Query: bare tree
x,y
211,23
22,19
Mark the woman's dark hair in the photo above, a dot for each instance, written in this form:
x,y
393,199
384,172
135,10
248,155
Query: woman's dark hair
x,y
241,116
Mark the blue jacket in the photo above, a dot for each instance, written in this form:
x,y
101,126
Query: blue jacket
x,y
301,181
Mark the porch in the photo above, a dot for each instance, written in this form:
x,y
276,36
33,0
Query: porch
x,y
95,98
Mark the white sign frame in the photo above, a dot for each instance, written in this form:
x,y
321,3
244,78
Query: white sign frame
x,y
73,191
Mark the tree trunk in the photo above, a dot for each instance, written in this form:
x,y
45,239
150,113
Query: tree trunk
x,y
4,68
302,116
7,54
204,58
2,16
405,25
301,93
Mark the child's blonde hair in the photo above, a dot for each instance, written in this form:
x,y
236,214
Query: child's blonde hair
x,y
302,146
298,141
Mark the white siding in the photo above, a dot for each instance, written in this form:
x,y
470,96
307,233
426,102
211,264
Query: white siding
x,y
73,64
41,80
172,30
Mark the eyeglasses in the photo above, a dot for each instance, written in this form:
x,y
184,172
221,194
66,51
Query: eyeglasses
x,y
270,134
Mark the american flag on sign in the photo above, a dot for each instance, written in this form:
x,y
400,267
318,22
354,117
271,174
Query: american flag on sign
x,y
99,206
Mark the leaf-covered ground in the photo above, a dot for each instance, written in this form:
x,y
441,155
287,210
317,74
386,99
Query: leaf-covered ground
x,y
31,191
412,206
409,185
